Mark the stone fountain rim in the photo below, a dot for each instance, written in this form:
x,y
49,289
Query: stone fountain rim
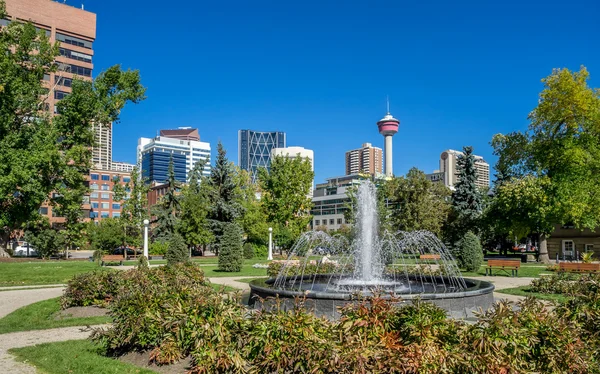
x,y
475,288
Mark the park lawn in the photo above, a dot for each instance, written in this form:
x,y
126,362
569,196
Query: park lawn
x,y
525,291
526,271
248,280
40,316
219,287
42,272
73,356
247,271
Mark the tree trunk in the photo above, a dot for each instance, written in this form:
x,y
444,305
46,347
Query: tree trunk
x,y
4,240
544,258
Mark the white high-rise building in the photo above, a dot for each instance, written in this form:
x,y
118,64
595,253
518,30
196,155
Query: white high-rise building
x,y
448,164
293,152
122,166
183,146
102,150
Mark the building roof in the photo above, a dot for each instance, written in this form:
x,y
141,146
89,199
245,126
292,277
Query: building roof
x,y
181,133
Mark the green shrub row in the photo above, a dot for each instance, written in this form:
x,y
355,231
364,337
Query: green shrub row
x,y
297,269
567,284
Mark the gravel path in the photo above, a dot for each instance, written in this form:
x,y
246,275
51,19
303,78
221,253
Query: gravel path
x,y
8,365
13,300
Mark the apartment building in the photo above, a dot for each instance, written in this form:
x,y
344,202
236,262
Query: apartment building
x,y
366,160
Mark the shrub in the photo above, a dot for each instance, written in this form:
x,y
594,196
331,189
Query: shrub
x,y
468,252
178,251
261,251
248,251
297,269
93,288
230,250
142,262
158,248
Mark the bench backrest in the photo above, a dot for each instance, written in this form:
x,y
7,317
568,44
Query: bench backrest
x,y
505,263
112,257
430,257
578,266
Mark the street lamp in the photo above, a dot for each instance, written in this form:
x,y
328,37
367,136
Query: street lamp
x,y
146,223
270,256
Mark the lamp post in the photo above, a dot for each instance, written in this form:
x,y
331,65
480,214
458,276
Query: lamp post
x,y
270,256
146,223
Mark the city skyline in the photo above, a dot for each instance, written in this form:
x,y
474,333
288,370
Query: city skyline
x,y
450,83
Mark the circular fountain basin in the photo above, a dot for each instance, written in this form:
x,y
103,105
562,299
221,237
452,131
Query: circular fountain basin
x,y
324,298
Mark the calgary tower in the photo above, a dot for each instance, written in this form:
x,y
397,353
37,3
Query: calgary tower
x,y
388,126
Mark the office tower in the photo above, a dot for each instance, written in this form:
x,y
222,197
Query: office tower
x,y
388,127
155,154
331,201
122,166
448,164
254,149
102,150
294,152
367,160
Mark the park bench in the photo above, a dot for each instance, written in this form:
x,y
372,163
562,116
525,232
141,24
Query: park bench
x,y
112,258
578,267
430,257
505,265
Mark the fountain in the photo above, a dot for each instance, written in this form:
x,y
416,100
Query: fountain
x,y
330,271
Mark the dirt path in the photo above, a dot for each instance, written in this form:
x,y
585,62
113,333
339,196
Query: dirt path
x,y
8,365
13,300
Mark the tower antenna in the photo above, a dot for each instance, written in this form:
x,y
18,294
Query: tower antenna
x,y
388,104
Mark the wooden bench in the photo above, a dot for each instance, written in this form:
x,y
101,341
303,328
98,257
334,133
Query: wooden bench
x,y
430,257
578,267
511,265
112,258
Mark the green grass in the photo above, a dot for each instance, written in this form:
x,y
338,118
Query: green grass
x,y
73,356
247,271
40,316
219,287
248,280
41,272
526,271
525,291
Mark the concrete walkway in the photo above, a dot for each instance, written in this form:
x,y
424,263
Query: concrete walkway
x,y
13,300
506,282
233,282
31,287
8,364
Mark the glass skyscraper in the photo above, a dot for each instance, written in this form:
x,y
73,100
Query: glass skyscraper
x,y
254,149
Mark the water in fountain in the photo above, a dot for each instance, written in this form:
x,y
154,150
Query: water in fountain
x,y
387,261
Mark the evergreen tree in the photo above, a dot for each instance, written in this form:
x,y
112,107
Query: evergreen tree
x,y
468,252
167,211
46,240
178,251
231,256
195,205
466,199
225,205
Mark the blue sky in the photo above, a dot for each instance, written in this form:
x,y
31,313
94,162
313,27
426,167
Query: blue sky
x,y
457,72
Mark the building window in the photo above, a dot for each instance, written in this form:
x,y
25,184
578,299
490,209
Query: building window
x,y
568,247
94,186
116,214
105,177
44,211
589,248
331,222
105,196
93,214
94,177
317,222
126,179
339,221
103,214
116,206
94,195
68,39
63,81
105,187
104,205
94,205
75,55
59,95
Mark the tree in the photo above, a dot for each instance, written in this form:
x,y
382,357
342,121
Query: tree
x,y
195,205
134,205
231,256
107,235
253,220
46,240
29,158
468,252
178,251
224,196
557,161
286,187
466,199
415,203
167,210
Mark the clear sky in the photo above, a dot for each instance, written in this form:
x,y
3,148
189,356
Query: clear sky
x,y
457,72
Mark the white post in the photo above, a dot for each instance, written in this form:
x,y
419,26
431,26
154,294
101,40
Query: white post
x,y
270,256
146,223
